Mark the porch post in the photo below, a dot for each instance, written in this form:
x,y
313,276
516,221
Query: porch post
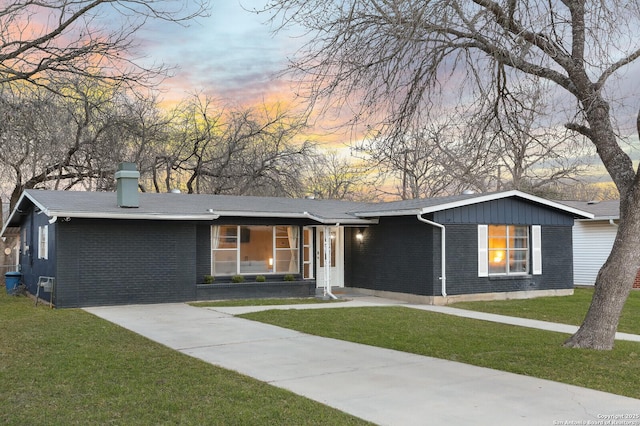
x,y
327,259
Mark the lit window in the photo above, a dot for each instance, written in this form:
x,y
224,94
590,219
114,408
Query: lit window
x,y
254,249
508,249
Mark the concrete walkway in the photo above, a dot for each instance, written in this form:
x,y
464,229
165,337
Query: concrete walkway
x,y
380,385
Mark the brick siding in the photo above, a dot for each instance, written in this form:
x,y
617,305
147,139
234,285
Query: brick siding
x,y
403,255
125,262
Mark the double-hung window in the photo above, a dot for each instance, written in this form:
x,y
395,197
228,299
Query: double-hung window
x,y
509,250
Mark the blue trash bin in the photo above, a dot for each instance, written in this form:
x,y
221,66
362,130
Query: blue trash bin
x,y
12,279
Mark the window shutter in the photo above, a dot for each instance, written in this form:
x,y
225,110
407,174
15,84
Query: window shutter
x,y
536,250
483,253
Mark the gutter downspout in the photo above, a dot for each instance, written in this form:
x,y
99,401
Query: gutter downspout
x,y
611,222
327,262
443,258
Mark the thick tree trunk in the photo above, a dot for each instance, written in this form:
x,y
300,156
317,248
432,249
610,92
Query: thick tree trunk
x,y
614,281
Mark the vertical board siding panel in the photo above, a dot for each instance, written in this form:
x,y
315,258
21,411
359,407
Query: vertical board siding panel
x,y
515,213
504,211
495,208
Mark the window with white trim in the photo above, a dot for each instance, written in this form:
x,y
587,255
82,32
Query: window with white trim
x,y
43,242
255,249
509,250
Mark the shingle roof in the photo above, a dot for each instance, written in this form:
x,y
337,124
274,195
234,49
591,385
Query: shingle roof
x,y
168,206
413,206
190,206
602,210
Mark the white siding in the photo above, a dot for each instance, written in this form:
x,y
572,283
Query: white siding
x,y
592,242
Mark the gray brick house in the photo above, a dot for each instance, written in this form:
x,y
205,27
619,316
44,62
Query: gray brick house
x,y
129,247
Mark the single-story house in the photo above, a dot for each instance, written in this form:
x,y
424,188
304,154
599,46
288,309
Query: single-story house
x,y
593,239
129,247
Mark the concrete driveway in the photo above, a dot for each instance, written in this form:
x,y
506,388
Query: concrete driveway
x,y
379,385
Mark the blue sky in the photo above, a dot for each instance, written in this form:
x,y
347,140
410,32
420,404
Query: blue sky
x,y
232,54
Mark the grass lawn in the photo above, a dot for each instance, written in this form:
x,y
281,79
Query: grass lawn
x,y
66,367
565,310
519,350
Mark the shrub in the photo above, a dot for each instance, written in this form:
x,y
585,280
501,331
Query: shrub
x,y
289,277
208,279
261,278
237,279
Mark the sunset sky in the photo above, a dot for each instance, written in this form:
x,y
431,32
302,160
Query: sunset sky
x,y
231,54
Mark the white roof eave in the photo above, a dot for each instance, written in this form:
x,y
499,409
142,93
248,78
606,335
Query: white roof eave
x,y
16,209
131,215
209,215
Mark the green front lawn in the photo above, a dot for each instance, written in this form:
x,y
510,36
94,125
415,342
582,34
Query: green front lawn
x,y
564,310
66,367
519,350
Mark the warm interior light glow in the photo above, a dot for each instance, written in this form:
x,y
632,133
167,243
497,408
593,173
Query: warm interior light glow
x,y
498,257
359,236
271,261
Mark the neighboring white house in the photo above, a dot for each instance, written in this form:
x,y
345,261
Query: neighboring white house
x,y
593,238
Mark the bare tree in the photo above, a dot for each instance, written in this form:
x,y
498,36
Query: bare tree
x,y
413,162
585,191
444,157
329,175
41,42
389,57
532,153
241,151
50,141
46,45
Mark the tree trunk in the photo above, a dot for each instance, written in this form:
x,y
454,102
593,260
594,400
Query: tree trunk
x,y
614,281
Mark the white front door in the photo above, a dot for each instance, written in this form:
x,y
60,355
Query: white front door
x,y
334,258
